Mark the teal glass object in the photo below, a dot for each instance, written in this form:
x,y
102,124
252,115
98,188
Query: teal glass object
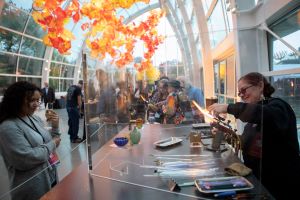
x,y
135,136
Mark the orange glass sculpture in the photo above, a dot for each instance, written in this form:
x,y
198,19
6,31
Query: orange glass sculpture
x,y
106,33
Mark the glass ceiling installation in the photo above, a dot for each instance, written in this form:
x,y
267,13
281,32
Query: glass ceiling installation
x,y
137,9
102,22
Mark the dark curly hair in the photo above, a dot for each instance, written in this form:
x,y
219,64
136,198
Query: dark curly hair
x,y
254,78
14,98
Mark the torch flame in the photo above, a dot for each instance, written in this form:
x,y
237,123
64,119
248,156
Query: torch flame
x,y
143,98
203,111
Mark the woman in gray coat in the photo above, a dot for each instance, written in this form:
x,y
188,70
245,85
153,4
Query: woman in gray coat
x,y
26,146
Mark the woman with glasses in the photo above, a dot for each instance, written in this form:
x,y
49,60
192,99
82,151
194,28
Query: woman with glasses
x,y
269,140
28,149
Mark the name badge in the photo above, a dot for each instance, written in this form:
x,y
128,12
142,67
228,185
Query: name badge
x,y
53,159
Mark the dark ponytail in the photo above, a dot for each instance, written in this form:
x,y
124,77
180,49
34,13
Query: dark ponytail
x,y
255,78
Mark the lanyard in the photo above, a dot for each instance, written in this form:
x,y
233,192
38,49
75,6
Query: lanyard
x,y
33,128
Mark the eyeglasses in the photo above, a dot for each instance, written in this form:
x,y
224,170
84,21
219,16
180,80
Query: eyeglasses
x,y
244,90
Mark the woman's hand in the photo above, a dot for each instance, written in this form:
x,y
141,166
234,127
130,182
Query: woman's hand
x,y
216,109
52,117
56,141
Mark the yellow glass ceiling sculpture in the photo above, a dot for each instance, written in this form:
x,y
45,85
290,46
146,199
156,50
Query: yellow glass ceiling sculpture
x,y
106,33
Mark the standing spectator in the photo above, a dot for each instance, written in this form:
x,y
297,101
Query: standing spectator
x,y
74,102
48,95
26,146
194,93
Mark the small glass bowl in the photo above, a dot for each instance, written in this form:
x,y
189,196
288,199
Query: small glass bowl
x,y
121,141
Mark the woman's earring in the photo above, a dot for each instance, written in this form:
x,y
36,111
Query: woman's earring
x,y
262,97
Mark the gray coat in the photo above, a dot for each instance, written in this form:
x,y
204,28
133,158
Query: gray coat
x,y
26,157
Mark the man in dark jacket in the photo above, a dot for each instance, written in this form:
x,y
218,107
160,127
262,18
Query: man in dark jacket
x,y
74,102
48,95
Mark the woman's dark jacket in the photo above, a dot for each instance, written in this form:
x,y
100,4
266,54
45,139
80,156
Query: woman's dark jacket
x,y
275,120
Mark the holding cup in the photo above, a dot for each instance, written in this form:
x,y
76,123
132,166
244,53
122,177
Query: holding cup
x,y
53,120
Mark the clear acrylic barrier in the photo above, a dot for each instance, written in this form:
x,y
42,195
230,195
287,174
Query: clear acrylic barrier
x,y
113,104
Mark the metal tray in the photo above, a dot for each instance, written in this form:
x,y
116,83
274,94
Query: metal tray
x,y
168,142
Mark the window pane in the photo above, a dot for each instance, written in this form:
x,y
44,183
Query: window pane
x,y
36,81
54,83
195,27
181,70
230,82
32,47
230,100
71,59
206,4
216,25
56,56
216,78
9,41
29,66
65,84
188,7
199,54
221,99
22,5
91,63
289,30
173,3
55,69
5,81
34,29
222,74
67,71
8,64
288,88
13,18
228,16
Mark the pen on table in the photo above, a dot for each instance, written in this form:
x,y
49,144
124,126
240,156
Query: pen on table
x,y
225,194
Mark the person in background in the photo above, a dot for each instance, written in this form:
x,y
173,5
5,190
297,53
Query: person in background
x,y
107,105
269,140
159,99
122,102
73,105
194,93
48,95
25,145
171,108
